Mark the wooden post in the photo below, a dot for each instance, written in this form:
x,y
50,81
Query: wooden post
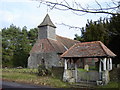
x,y
100,71
110,64
65,64
65,71
104,64
75,71
100,66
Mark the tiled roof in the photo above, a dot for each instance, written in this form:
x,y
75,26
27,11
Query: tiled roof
x,y
66,41
88,49
60,45
47,22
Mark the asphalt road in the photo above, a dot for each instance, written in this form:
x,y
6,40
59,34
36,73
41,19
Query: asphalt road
x,y
7,85
14,85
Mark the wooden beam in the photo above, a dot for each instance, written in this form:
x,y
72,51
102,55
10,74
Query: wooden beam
x,y
100,69
65,62
110,64
104,64
76,71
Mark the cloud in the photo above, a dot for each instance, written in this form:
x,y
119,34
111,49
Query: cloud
x,y
20,14
17,0
6,16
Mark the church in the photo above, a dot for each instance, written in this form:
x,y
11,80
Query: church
x,y
52,50
49,46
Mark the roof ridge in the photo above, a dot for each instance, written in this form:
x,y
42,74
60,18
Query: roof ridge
x,y
67,38
101,44
51,43
68,50
89,42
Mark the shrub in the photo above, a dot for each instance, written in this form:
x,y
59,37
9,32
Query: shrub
x,y
43,71
115,75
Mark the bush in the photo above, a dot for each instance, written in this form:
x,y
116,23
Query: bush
x,y
43,71
115,75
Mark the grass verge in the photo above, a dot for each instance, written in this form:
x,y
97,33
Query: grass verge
x,y
34,79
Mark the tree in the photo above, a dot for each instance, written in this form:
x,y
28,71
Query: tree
x,y
95,31
106,31
22,49
32,35
9,42
16,45
114,44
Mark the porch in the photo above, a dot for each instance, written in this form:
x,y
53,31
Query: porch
x,y
77,63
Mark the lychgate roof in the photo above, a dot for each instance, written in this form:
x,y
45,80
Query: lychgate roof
x,y
88,49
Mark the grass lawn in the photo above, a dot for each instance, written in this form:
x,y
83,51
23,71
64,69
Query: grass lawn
x,y
34,79
30,76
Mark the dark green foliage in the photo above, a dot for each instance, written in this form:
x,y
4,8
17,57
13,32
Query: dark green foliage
x,y
94,31
115,75
114,45
107,31
43,71
16,45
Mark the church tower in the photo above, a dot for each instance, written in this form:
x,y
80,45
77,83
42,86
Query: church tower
x,y
46,30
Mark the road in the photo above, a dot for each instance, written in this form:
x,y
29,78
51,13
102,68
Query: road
x,y
7,85
14,85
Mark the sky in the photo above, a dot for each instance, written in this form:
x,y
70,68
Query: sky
x,y
30,13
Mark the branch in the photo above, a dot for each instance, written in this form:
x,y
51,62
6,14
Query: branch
x,y
81,9
70,27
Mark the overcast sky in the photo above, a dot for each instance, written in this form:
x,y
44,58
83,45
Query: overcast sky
x,y
28,13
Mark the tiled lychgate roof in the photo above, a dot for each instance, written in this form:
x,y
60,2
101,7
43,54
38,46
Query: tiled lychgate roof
x,y
60,45
88,49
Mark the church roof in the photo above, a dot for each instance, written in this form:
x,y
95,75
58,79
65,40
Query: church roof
x,y
88,50
66,41
49,45
47,22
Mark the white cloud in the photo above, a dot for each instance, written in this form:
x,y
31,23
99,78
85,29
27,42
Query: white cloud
x,y
6,16
16,1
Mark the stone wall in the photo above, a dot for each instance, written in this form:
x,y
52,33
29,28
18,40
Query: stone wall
x,y
50,59
57,72
46,32
51,34
69,76
42,32
91,75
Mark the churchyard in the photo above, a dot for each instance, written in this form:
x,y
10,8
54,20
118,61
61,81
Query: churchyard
x,y
30,76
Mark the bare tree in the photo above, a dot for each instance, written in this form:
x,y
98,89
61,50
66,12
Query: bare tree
x,y
109,8
77,8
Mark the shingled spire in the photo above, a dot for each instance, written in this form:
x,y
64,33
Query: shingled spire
x,y
47,29
47,22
